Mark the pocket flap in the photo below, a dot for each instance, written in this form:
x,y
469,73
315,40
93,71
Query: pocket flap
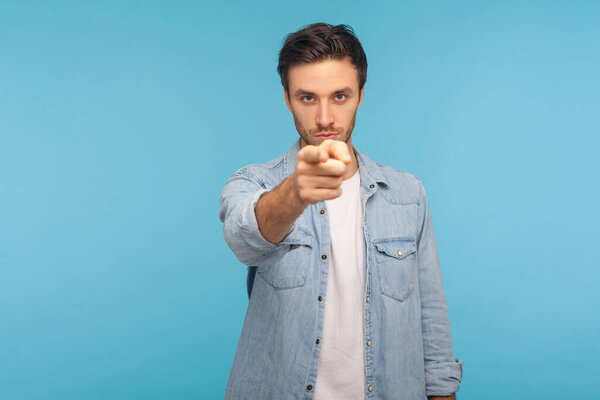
x,y
396,247
297,236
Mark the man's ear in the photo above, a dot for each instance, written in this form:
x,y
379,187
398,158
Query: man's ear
x,y
360,99
287,100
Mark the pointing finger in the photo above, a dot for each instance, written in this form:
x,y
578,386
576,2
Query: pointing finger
x,y
313,154
338,150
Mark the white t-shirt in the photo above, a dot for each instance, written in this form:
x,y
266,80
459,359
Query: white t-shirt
x,y
341,372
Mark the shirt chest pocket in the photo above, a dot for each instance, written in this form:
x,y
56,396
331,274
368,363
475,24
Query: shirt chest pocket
x,y
395,266
291,270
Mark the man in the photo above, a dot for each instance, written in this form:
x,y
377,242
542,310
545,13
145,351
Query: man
x,y
346,298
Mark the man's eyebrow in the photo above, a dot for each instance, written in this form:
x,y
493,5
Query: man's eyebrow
x,y
300,92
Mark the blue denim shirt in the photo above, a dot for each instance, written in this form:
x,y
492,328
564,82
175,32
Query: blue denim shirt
x,y
409,355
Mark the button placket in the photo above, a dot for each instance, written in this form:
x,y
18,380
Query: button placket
x,y
367,310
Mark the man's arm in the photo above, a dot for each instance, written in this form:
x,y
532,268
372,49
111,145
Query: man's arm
x,y
240,229
277,210
443,373
319,174
257,220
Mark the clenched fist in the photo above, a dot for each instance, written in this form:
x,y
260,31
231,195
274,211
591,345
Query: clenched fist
x,y
320,171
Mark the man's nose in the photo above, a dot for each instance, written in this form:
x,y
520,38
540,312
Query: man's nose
x,y
325,116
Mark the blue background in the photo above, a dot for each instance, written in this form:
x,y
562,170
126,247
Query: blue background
x,y
120,122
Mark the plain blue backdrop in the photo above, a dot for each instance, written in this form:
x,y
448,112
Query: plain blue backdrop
x,y
121,121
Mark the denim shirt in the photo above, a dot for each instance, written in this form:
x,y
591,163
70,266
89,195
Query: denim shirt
x,y
407,347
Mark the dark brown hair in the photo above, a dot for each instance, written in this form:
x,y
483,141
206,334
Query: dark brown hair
x,y
318,42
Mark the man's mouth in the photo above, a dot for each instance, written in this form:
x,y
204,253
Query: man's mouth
x,y
327,135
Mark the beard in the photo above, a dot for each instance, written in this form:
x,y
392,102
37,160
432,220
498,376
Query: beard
x,y
309,137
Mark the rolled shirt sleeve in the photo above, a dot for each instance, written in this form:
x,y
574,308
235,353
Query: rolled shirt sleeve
x,y
443,373
240,228
443,379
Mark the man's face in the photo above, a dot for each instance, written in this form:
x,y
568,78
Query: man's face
x,y
324,98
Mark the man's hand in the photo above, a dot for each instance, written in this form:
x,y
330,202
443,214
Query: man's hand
x,y
320,171
451,397
319,174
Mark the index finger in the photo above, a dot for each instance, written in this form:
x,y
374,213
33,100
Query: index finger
x,y
337,149
313,154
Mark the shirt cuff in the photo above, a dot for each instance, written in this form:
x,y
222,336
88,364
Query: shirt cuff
x,y
443,379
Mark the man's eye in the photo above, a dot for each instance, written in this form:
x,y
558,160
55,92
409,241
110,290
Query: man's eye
x,y
307,99
340,97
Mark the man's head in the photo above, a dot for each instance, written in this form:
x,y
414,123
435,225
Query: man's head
x,y
323,70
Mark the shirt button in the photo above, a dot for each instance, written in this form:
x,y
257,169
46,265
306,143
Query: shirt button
x,y
319,298
324,257
309,387
371,186
369,342
322,212
399,252
317,341
370,388
368,299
